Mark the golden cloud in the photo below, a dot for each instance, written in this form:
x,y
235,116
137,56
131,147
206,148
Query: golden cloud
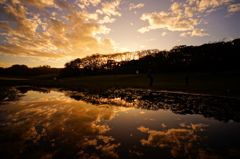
x,y
106,139
39,3
4,25
110,8
106,19
133,6
195,32
61,121
109,150
89,2
74,34
171,21
205,4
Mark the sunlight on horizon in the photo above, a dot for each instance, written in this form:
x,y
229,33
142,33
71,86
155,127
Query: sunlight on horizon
x,y
54,32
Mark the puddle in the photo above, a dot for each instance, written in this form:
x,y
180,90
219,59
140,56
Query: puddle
x,y
124,123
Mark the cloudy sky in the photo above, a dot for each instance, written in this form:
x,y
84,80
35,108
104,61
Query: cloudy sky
x,y
53,32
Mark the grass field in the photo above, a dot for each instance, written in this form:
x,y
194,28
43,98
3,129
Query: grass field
x,y
223,83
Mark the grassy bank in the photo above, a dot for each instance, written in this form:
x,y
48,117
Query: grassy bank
x,y
223,83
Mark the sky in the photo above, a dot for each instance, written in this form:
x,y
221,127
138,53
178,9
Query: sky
x,y
53,32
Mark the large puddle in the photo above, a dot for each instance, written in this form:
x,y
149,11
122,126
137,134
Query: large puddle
x,y
43,123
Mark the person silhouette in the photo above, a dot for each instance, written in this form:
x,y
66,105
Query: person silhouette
x,y
186,80
149,74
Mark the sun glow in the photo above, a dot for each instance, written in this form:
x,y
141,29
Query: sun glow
x,y
58,29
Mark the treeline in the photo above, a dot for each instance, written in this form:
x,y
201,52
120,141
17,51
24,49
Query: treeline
x,y
23,70
98,64
217,56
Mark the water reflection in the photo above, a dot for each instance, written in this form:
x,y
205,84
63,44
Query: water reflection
x,y
9,94
54,123
220,108
182,142
44,123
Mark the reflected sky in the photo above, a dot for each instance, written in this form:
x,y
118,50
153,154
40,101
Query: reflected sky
x,y
49,124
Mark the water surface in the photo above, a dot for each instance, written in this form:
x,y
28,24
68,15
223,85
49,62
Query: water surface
x,y
45,123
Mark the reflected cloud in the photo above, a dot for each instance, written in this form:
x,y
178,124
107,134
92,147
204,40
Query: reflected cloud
x,y
106,139
47,124
58,124
181,142
164,125
109,150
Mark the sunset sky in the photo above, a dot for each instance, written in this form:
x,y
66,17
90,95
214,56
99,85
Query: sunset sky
x,y
53,32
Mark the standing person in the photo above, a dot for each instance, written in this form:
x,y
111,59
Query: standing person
x,y
186,80
150,76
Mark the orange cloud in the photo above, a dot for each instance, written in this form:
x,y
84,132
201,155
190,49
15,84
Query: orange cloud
x,y
57,35
110,8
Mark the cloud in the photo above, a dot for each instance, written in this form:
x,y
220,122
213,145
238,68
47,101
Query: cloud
x,y
109,150
57,25
203,5
106,19
185,34
189,11
133,6
199,33
110,8
142,112
234,8
180,142
6,65
66,121
171,21
184,16
40,4
195,32
108,114
54,34
89,2
106,139
163,125
164,33
16,14
4,25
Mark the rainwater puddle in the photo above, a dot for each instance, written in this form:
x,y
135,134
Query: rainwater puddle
x,y
45,123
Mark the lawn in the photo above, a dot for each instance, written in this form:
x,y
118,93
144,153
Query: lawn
x,y
223,83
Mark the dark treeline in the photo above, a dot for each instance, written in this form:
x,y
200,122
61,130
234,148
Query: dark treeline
x,y
23,70
217,56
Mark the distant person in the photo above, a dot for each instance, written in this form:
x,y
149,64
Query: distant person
x,y
186,80
150,76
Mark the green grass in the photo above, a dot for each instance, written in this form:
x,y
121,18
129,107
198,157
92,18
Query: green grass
x,y
224,83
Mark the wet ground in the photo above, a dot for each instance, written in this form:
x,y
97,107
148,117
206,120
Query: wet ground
x,y
117,123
